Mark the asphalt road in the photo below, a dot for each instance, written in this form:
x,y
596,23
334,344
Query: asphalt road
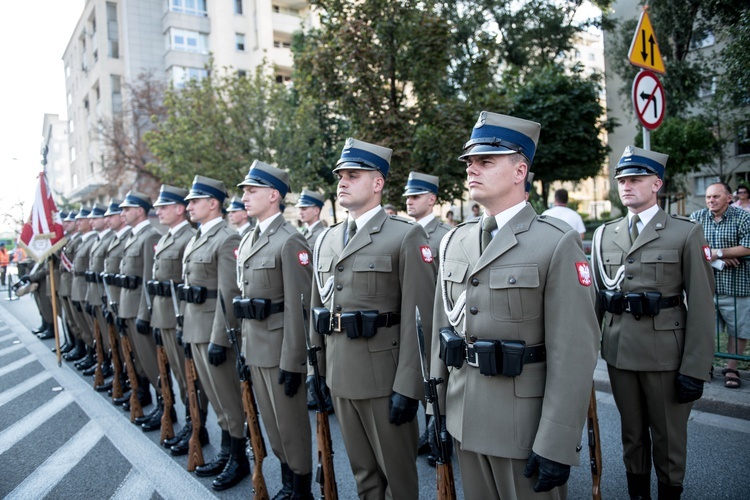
x,y
61,439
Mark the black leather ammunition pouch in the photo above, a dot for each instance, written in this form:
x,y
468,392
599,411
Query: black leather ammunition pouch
x,y
258,309
128,281
321,320
180,289
452,348
503,357
90,276
612,301
110,279
158,288
198,294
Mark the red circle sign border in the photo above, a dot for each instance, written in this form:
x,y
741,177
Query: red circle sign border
x,y
648,74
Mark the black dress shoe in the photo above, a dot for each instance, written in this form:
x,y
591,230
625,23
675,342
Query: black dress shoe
x,y
155,423
74,354
236,469
183,447
40,328
156,412
214,467
106,386
63,348
124,399
186,430
46,334
90,370
86,363
107,370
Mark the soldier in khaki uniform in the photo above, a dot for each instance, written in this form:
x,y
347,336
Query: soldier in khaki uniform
x,y
274,271
310,204
66,287
82,311
136,267
658,347
94,288
209,267
238,217
514,315
171,208
370,274
112,259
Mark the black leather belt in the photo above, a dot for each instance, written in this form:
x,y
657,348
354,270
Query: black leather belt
x,y
531,354
79,274
385,320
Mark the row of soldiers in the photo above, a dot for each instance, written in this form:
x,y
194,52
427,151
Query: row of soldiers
x,y
507,302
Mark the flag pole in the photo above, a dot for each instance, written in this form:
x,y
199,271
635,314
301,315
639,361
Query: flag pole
x,y
54,309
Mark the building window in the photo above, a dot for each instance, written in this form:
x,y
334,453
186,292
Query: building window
x,y
239,42
67,70
70,99
113,36
116,84
74,180
241,73
743,140
180,75
187,41
279,44
709,89
71,126
702,182
703,40
238,6
285,10
193,7
72,153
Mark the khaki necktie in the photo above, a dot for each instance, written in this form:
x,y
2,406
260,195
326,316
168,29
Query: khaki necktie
x,y
634,228
254,237
489,224
351,231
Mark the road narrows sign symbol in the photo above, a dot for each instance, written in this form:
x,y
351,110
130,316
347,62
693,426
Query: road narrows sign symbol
x,y
649,99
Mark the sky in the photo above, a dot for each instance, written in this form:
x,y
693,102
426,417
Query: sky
x,y
33,37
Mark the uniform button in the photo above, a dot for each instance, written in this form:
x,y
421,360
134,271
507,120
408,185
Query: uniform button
x,y
475,282
630,276
394,343
247,266
658,258
340,268
473,338
246,282
338,308
630,261
450,273
372,266
473,310
606,260
676,323
512,280
339,287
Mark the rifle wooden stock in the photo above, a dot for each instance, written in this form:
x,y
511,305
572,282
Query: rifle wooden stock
x,y
446,488
98,375
195,451
116,363
167,429
135,404
256,438
325,457
595,447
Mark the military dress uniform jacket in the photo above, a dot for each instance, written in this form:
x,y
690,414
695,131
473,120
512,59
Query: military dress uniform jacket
x,y
65,285
81,264
278,268
530,284
312,236
668,257
168,267
137,260
112,261
386,267
96,264
210,261
436,230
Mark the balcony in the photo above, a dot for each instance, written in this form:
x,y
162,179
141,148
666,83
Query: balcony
x,y
281,57
286,23
185,22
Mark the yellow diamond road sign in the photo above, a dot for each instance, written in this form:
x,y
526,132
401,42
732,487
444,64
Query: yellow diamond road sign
x,y
644,50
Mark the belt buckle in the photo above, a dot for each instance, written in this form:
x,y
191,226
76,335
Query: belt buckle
x,y
471,356
336,322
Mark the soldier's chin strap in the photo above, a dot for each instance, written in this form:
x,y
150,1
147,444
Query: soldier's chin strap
x,y
596,254
457,311
325,290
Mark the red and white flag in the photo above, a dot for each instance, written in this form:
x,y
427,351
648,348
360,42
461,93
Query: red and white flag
x,y
43,234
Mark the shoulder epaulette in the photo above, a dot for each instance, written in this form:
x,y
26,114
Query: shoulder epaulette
x,y
554,222
683,218
613,221
401,219
470,221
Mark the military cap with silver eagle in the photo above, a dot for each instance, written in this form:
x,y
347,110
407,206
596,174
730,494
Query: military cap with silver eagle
x,y
310,199
97,211
236,205
171,195
114,207
496,134
360,155
83,213
71,216
206,187
264,175
637,161
419,183
134,199
63,215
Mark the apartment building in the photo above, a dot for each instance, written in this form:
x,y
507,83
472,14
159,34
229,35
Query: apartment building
x,y
115,41
736,154
55,139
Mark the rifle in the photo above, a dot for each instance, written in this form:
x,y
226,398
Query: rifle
x,y
195,451
135,404
98,375
446,489
595,447
167,430
115,353
325,474
251,409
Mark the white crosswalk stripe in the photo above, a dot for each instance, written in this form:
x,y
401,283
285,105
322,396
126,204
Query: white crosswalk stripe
x,y
19,363
40,482
135,485
23,387
11,349
32,421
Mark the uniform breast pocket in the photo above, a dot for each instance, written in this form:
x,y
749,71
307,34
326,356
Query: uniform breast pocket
x,y
262,267
515,294
612,262
131,261
203,268
170,267
660,266
454,274
371,275
324,266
